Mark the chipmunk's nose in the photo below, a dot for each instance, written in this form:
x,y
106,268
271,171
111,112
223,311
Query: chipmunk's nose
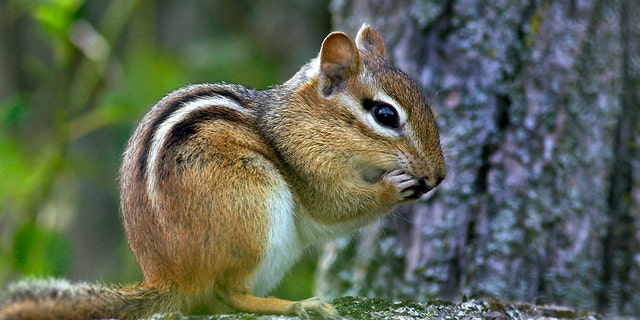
x,y
425,185
431,182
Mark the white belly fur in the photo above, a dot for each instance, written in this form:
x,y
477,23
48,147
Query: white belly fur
x,y
291,231
283,246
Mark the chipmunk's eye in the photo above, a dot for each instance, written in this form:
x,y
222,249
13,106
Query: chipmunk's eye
x,y
384,113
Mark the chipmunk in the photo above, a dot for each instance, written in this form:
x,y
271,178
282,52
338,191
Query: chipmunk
x,y
224,187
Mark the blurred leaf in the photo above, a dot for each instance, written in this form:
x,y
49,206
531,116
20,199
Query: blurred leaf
x,y
23,175
55,16
12,111
16,170
40,252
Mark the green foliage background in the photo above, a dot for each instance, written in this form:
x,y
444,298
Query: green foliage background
x,y
75,77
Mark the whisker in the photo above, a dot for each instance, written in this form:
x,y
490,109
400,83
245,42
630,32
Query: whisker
x,y
448,182
450,140
450,167
397,216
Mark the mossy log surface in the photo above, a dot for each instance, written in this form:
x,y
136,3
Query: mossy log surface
x,y
357,308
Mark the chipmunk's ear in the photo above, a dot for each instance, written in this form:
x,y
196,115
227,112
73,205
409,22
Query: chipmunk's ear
x,y
368,39
339,60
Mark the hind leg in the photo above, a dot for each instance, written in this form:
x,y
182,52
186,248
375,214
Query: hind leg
x,y
247,302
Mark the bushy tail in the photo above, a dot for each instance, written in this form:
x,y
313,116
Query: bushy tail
x,y
60,299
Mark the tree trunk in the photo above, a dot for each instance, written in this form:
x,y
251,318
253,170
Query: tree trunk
x,y
537,103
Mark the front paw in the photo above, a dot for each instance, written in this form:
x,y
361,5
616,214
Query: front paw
x,y
405,186
319,308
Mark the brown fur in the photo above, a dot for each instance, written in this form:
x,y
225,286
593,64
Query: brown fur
x,y
200,182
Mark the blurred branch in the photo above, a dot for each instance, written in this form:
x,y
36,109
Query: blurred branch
x,y
97,47
75,88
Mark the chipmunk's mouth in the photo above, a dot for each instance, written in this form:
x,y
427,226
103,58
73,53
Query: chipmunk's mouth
x,y
421,189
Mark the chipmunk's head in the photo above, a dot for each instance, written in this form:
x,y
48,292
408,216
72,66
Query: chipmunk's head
x,y
371,112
